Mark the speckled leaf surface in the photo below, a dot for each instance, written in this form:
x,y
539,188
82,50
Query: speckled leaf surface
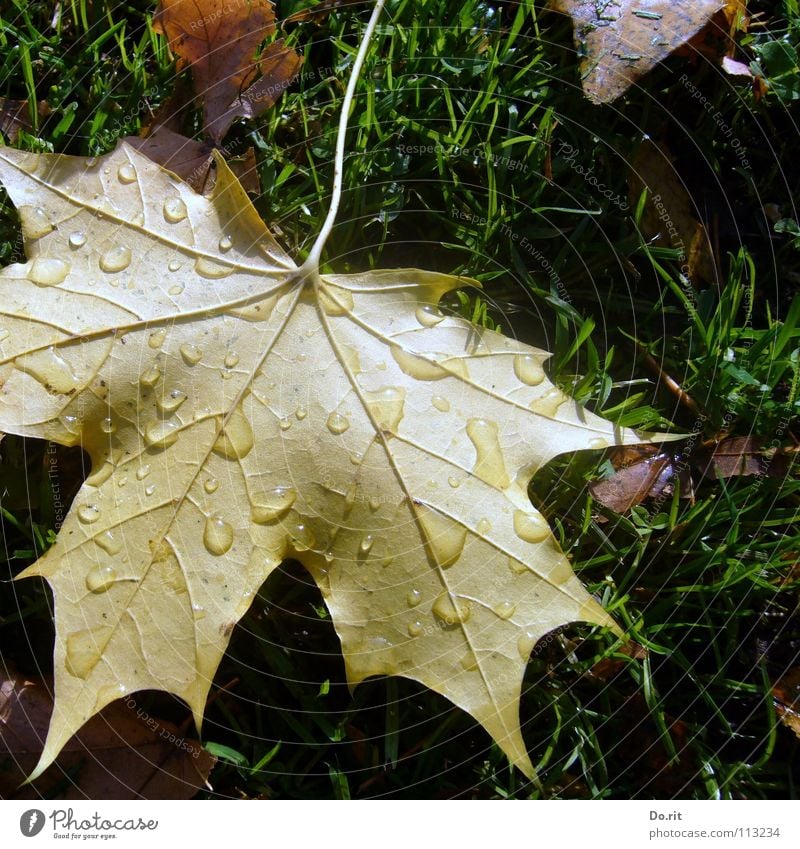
x,y
619,41
237,414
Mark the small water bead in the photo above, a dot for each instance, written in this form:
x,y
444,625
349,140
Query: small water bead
x,y
150,377
549,403
88,513
107,425
211,485
157,338
561,573
176,290
365,546
526,642
415,628
126,173
386,407
417,366
441,403
109,543
516,566
100,579
302,537
528,369
337,423
198,611
454,482
285,423
530,527
174,265
217,536
484,526
428,315
300,413
116,260
77,239
142,472
469,663
231,359
149,490
414,598
272,504
191,354
174,210
225,243
374,504
451,610
598,442
505,609
47,271
172,402
160,434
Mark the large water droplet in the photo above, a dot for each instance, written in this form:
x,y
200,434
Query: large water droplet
x,y
505,609
84,650
191,354
531,527
157,337
386,407
212,270
126,173
100,579
445,537
549,403
428,315
109,543
150,377
334,300
174,210
162,434
170,403
528,369
451,609
47,271
337,423
302,537
35,222
489,463
236,440
88,513
217,535
115,260
50,369
417,366
272,504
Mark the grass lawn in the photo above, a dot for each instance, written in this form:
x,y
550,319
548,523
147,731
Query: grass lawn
x,y
470,150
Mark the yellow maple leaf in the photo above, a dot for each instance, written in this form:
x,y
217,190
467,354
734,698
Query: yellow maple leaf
x,y
239,409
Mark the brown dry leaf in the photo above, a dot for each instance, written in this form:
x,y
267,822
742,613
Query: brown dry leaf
x,y
190,160
621,40
239,410
122,753
741,456
786,693
219,42
642,472
668,220
608,667
15,116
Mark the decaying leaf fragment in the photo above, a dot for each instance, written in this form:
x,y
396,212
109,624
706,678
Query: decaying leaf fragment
x,y
619,41
238,411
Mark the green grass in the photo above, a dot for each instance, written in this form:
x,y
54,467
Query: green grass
x,y
490,94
